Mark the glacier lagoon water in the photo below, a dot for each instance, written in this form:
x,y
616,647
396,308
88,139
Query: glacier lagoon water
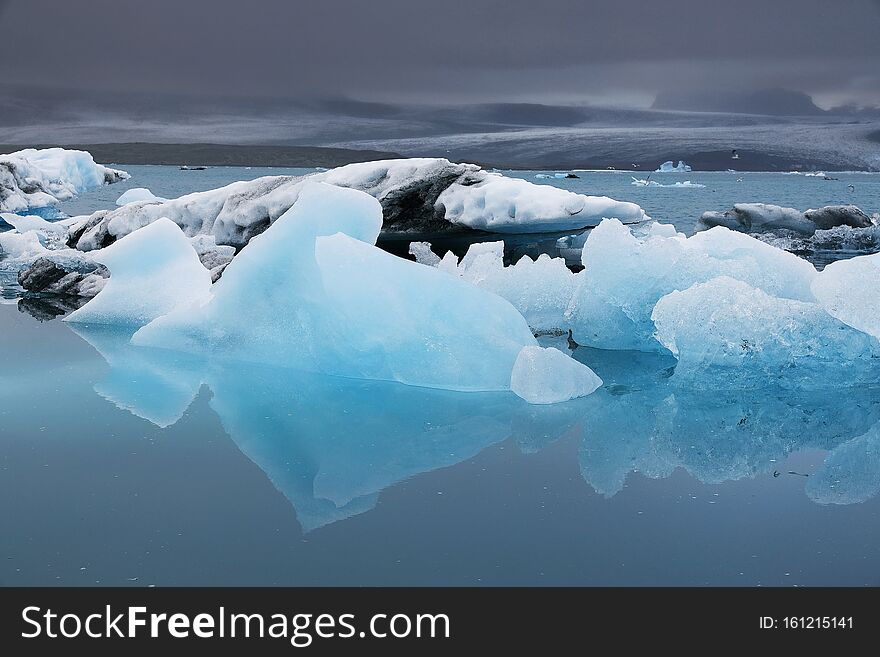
x,y
127,466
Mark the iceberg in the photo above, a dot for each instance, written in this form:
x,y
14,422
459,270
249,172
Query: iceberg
x,y
138,195
625,276
762,217
850,291
27,223
154,271
499,204
418,196
726,333
67,272
671,167
544,375
39,177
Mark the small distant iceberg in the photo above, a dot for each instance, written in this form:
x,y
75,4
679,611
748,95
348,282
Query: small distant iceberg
x,y
647,182
557,176
138,195
670,167
34,178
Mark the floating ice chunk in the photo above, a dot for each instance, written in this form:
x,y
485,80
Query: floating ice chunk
x,y
153,271
761,217
138,195
850,474
511,205
670,167
21,246
727,325
548,376
850,291
313,293
25,224
40,177
625,276
646,182
423,254
67,271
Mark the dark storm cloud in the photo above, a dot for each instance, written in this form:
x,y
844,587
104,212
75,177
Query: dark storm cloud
x,y
572,50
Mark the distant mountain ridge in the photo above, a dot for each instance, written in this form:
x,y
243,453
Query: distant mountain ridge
x,y
773,102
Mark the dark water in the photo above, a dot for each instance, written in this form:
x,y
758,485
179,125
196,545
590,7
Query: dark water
x,y
122,466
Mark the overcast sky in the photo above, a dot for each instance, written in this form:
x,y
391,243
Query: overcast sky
x,y
607,52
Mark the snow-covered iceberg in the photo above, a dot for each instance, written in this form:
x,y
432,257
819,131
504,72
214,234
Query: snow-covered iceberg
x,y
138,195
39,177
670,166
726,333
418,196
153,271
625,276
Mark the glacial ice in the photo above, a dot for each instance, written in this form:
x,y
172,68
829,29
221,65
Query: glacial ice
x,y
314,293
423,254
510,205
647,182
548,376
27,223
39,177
138,195
540,289
671,167
153,271
626,275
726,333
762,217
418,195
850,291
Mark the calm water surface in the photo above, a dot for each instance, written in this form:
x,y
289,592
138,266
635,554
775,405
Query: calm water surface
x,y
135,467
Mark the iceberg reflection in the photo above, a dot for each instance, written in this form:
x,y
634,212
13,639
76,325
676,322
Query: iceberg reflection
x,y
330,445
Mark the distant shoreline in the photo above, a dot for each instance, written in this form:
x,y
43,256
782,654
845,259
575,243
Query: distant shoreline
x,y
242,155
